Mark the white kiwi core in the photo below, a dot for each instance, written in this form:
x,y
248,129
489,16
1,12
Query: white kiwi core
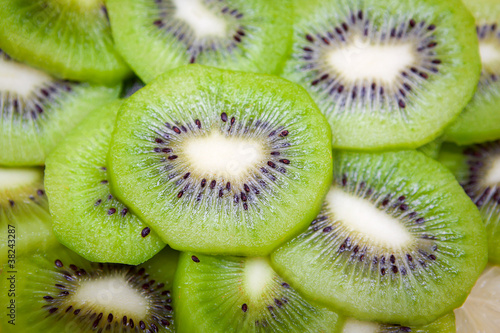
x,y
203,21
20,79
356,326
258,275
112,293
490,54
492,177
361,60
218,155
366,221
13,178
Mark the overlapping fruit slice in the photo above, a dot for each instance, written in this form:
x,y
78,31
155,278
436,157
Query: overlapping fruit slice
x,y
69,39
157,35
397,241
221,162
235,294
386,74
25,222
480,120
477,169
87,217
59,291
37,110
481,310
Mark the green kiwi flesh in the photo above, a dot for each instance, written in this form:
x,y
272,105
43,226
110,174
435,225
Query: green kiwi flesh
x,y
37,110
445,324
476,168
432,149
236,294
381,71
237,161
25,222
87,218
398,241
58,291
69,39
480,120
158,35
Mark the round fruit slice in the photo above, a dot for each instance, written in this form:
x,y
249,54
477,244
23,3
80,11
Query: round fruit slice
x,y
37,110
477,169
398,241
59,291
480,120
234,294
69,39
382,71
87,218
158,35
445,324
237,162
25,223
481,310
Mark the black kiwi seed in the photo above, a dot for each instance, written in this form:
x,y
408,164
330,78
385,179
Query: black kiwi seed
x,y
145,232
195,259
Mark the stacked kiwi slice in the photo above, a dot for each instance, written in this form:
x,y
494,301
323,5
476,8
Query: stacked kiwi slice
x,y
249,166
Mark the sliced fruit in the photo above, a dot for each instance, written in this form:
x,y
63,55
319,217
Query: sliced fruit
x,y
398,241
480,120
477,169
234,294
87,217
382,71
37,110
239,162
155,36
59,291
69,39
481,310
25,221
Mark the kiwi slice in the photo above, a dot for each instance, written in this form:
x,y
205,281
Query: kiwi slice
x,y
59,291
87,218
480,120
477,169
69,39
445,324
398,241
157,35
25,222
381,71
239,162
481,310
236,294
37,110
